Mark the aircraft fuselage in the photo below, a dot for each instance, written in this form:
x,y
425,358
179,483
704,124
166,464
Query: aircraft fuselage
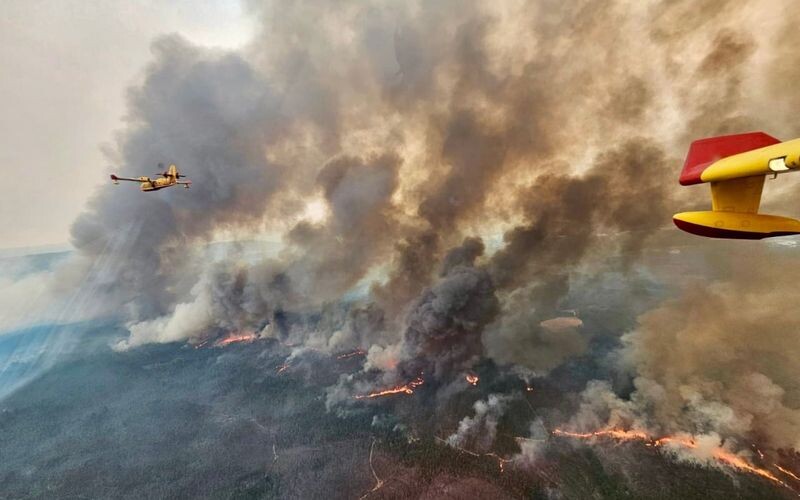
x,y
156,184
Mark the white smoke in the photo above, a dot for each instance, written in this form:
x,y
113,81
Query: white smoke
x,y
480,430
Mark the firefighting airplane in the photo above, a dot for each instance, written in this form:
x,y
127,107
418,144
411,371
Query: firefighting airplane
x,y
736,166
168,178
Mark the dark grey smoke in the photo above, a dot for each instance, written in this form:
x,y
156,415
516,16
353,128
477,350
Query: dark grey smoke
x,y
441,176
444,326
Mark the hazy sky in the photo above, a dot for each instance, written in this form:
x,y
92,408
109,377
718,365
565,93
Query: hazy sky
x,y
65,67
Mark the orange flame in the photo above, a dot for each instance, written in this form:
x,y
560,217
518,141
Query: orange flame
x,y
472,378
720,455
400,389
236,337
787,472
282,368
686,442
738,462
348,355
618,434
501,462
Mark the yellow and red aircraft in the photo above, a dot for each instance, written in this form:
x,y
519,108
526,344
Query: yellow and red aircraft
x,y
736,166
168,178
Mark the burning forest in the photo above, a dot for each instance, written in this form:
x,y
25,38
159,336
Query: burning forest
x,y
477,271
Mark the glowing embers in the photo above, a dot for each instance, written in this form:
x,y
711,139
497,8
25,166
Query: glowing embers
x,y
501,462
609,433
472,379
348,355
236,337
721,455
407,388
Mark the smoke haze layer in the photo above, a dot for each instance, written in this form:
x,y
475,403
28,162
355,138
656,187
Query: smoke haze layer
x,y
451,182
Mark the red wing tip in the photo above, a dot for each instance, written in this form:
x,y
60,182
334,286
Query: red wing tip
x,y
692,176
704,152
713,232
114,177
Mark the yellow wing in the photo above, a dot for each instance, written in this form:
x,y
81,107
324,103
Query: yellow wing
x,y
774,159
116,179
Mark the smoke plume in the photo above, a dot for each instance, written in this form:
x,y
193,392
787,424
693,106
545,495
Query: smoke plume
x,y
718,358
447,178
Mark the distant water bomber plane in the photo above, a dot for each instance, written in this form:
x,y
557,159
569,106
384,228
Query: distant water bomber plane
x,y
736,166
168,178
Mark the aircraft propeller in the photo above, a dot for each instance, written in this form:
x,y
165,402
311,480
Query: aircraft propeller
x,y
166,174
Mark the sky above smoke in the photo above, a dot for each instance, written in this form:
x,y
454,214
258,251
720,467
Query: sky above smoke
x,y
67,63
448,177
